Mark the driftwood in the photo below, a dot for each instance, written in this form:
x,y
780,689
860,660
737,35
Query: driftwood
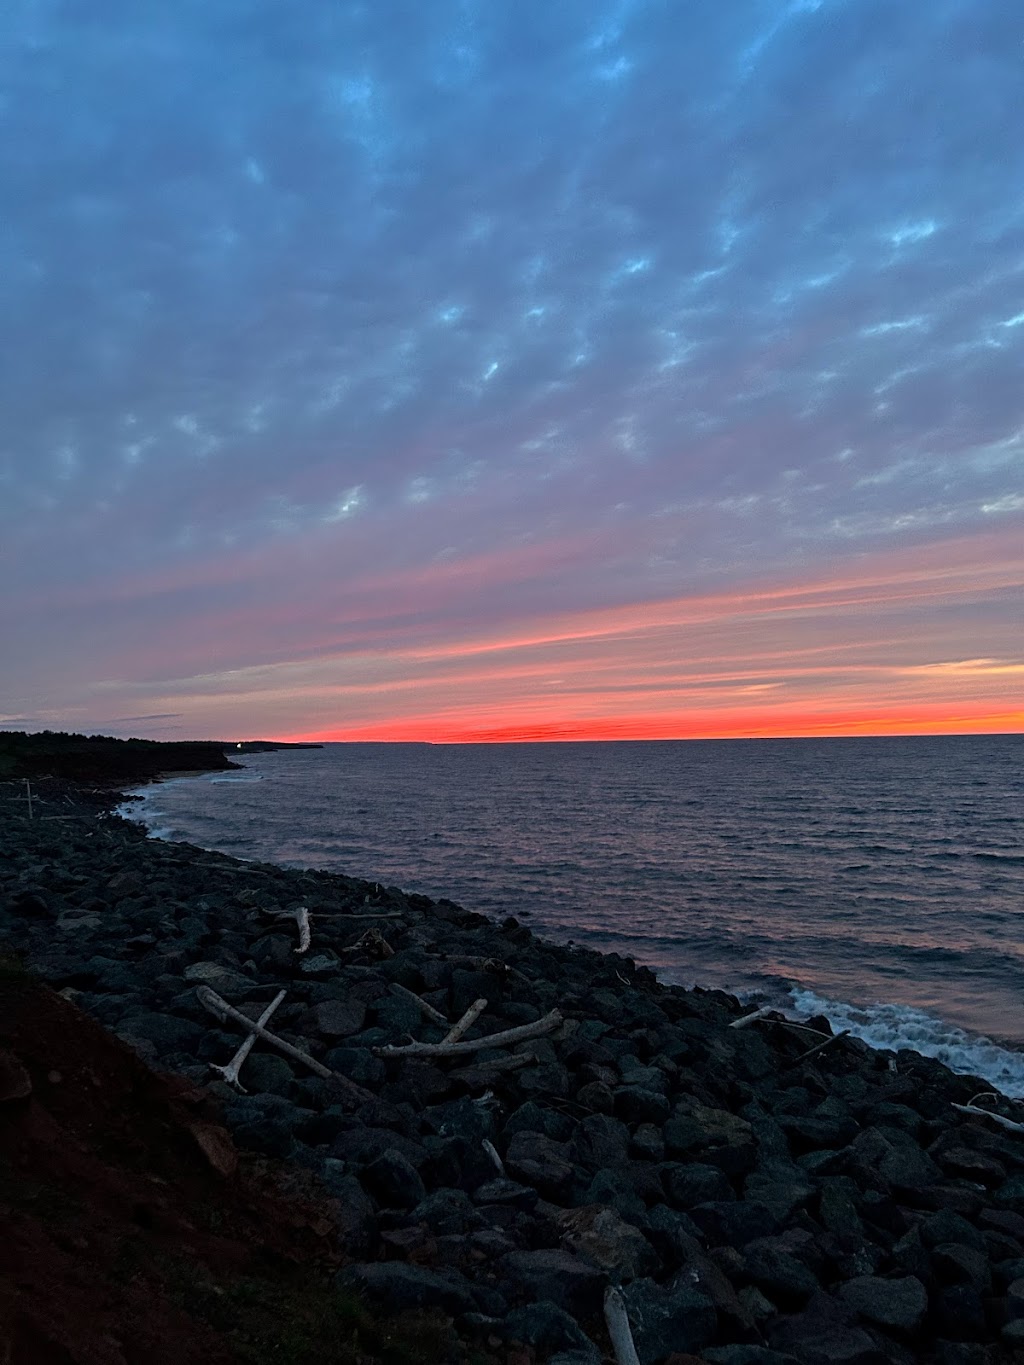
x,y
463,1025
302,920
752,1018
818,1047
230,1072
211,1001
617,1322
372,942
492,1152
464,1049
435,1016
977,1111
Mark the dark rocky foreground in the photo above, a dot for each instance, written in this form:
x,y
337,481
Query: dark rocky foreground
x,y
753,1204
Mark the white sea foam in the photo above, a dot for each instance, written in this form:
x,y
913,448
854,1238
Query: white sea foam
x,y
894,1027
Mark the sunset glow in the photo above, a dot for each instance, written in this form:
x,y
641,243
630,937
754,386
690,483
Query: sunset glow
x,y
685,403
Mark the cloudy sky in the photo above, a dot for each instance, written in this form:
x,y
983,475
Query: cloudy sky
x,y
486,368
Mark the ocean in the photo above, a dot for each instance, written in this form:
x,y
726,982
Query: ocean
x,y
878,880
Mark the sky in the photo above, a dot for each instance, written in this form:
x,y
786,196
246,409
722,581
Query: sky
x,y
501,369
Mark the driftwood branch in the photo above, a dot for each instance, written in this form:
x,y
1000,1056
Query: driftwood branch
x,y
751,1018
463,1025
435,1016
818,1047
1011,1124
230,1072
492,1152
617,1321
302,920
547,1024
211,1001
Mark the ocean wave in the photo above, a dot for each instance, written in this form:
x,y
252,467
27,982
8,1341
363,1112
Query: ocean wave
x,y
892,1027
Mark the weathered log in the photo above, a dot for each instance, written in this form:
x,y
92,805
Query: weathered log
x,y
818,1047
211,1001
463,1025
974,1109
494,1155
435,1016
230,1072
617,1321
547,1024
751,1018
302,920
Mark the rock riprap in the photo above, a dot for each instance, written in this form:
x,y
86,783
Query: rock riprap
x,y
753,1204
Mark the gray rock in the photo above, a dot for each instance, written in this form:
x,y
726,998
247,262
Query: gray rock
x,y
566,1280
267,1073
784,1279
403,1286
598,1233
957,1264
549,1328
668,1320
538,1161
394,1181
895,1304
508,1192
692,1184
636,1104
354,1215
599,1142
447,1211
336,1018
319,964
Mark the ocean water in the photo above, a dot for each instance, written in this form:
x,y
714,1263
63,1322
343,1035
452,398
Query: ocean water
x,y
880,880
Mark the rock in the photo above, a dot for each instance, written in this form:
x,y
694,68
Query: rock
x,y
357,1064
231,985
354,1215
689,1185
599,1142
548,1328
447,1211
538,1161
733,1224
567,1280
665,1320
507,1192
957,1264
896,1304
718,1137
318,964
269,1074
402,1286
637,1104
598,1233
784,1279
394,1181
946,1226
216,1146
647,1143
335,1018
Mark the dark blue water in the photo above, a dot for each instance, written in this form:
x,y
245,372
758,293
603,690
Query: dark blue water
x,y
880,879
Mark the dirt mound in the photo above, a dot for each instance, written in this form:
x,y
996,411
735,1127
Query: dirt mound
x,y
131,1233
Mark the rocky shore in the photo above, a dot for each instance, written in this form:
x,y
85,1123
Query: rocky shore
x,y
757,1197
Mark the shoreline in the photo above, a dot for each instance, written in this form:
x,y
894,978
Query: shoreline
x,y
887,1022
746,1197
